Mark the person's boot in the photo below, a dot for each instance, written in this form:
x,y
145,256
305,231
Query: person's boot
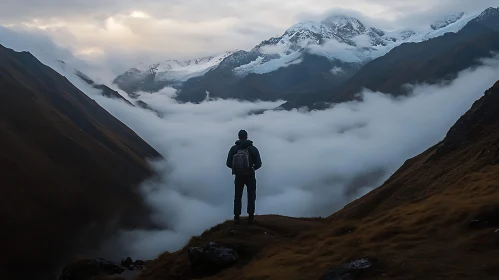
x,y
251,219
236,219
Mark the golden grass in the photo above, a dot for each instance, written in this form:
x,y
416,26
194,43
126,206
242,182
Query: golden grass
x,y
429,239
425,240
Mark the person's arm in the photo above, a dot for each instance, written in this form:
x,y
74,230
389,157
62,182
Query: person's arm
x,y
257,163
229,157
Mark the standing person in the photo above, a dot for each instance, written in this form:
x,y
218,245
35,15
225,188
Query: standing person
x,y
244,159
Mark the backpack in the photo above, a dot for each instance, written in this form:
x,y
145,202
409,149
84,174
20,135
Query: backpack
x,y
241,162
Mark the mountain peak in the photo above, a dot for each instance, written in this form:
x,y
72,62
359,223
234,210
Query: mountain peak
x,y
341,28
490,11
333,23
342,21
489,18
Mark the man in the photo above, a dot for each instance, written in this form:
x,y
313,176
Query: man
x,y
244,160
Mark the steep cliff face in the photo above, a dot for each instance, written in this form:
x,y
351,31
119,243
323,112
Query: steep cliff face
x,y
70,170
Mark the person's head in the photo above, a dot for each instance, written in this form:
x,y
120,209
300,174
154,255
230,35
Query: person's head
x,y
243,135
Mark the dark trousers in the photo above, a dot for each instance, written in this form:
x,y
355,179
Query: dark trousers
x,y
240,182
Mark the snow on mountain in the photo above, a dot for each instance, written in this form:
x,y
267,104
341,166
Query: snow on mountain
x,y
349,40
259,66
177,70
446,21
490,12
489,18
336,37
452,23
342,29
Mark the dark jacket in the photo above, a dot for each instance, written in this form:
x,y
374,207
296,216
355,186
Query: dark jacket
x,y
255,159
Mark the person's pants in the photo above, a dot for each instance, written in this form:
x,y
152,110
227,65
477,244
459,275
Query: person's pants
x,y
240,182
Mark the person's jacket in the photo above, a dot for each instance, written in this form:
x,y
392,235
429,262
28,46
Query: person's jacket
x,y
255,160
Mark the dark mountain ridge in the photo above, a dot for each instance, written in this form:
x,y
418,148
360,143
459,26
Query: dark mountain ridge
x,y
70,170
106,91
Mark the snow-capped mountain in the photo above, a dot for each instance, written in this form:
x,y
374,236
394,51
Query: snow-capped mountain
x,y
337,37
345,43
167,73
342,38
342,29
180,70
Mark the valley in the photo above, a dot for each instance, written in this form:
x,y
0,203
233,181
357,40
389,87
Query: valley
x,y
379,141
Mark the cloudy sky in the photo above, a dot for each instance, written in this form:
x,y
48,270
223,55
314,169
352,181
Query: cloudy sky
x,y
128,31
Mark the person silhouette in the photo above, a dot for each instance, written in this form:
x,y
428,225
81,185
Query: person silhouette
x,y
244,159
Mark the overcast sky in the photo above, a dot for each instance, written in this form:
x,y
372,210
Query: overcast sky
x,y
127,31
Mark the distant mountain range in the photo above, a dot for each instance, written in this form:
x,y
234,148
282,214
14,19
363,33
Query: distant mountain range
x,y
311,61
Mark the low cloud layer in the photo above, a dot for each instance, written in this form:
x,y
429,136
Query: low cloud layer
x,y
313,162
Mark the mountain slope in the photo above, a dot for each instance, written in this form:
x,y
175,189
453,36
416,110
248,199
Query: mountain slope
x,y
313,72
106,91
430,61
71,169
435,218
467,157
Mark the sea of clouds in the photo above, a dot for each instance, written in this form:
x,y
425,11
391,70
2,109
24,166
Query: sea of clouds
x,y
314,163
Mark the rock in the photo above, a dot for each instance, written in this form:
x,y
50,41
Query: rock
x,y
477,224
212,257
88,269
196,255
139,262
488,216
348,271
127,262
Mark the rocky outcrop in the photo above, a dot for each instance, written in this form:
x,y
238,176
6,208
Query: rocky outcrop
x,y
348,271
94,268
212,257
